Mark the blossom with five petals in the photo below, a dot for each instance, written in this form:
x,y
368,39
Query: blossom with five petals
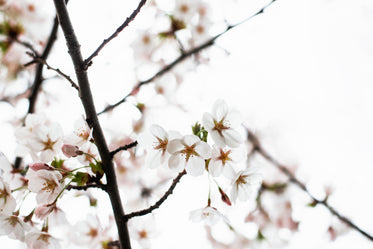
x,y
208,214
157,144
45,183
245,183
221,125
189,152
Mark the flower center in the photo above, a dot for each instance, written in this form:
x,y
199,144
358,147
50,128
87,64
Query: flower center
x,y
220,126
241,180
162,145
189,151
224,156
48,145
49,185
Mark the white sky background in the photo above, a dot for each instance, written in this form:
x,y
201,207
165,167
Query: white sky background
x,y
301,74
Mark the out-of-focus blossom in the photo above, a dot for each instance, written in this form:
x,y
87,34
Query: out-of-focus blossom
x,y
13,226
221,125
39,138
41,240
245,184
91,149
208,214
47,184
7,201
89,233
143,230
157,143
190,153
82,134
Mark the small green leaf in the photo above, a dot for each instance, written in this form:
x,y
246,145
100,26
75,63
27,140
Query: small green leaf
x,y
81,178
57,163
97,168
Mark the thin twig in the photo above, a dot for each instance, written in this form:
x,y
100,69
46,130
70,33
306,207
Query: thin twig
x,y
26,45
184,56
87,186
125,147
259,149
58,71
159,202
88,61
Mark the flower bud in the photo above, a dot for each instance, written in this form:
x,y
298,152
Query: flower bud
x,y
39,166
71,150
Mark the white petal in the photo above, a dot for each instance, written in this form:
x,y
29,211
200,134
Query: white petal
x,y
195,166
208,121
215,168
234,118
176,162
190,140
218,139
232,138
203,150
220,110
229,172
174,146
158,132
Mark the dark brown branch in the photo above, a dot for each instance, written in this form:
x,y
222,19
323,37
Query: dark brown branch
x,y
125,147
259,149
129,19
87,186
159,202
92,120
58,71
184,56
38,80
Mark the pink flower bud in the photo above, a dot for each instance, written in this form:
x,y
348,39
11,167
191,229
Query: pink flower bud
x,y
71,150
39,166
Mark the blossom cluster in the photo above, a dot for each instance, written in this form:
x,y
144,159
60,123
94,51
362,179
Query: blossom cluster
x,y
194,154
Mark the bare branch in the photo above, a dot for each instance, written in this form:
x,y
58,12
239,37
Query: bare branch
x,y
58,71
184,56
125,147
159,202
259,149
129,19
87,186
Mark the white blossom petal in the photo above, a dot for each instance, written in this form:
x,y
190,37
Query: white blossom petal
x,y
195,166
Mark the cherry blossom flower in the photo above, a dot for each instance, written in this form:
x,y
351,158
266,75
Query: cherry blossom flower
x,y
13,226
82,133
41,240
185,9
89,233
47,184
222,161
222,124
244,184
209,215
190,153
157,144
39,138
143,231
7,201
